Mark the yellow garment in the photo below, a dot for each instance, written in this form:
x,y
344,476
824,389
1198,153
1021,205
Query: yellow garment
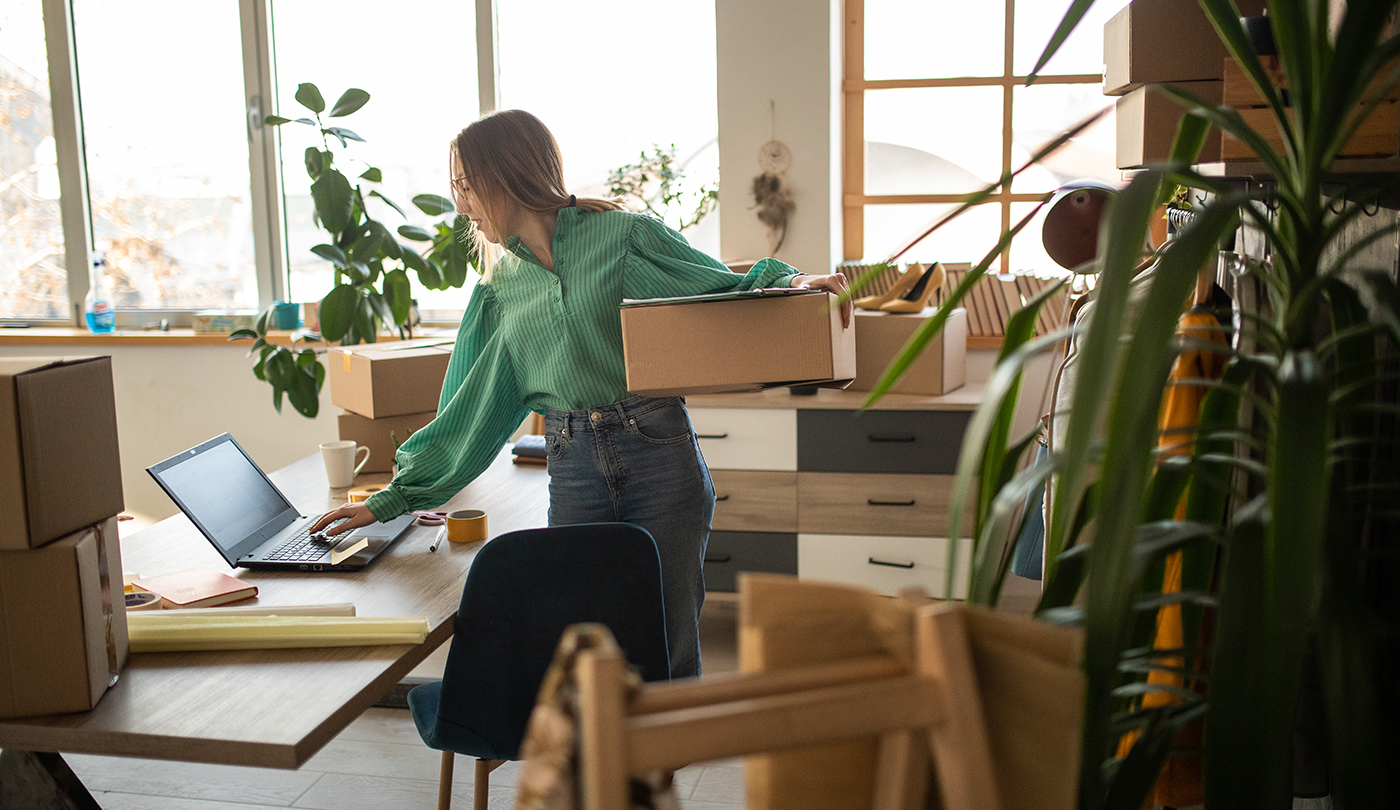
x,y
1181,781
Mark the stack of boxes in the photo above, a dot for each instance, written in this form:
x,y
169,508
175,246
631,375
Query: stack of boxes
x,y
63,634
1152,42
387,391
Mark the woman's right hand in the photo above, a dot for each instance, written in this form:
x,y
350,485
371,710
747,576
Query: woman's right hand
x,y
356,515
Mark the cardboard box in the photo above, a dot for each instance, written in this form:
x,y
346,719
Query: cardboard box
x,y
222,321
374,434
740,341
1163,41
1147,122
940,368
389,379
59,466
63,634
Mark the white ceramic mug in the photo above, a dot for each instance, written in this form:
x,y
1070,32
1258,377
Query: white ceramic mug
x,y
341,466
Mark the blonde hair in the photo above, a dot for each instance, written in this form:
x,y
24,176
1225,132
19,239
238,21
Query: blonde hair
x,y
509,158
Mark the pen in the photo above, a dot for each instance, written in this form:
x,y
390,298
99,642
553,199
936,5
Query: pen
x,y
441,534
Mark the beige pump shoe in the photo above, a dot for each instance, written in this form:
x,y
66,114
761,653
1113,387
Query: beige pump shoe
x,y
917,297
901,285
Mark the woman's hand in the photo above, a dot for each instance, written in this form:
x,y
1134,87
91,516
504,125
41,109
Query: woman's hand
x,y
834,284
356,514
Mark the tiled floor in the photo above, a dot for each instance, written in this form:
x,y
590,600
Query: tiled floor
x,y
379,762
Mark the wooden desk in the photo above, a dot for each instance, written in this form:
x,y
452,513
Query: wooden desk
x,y
275,708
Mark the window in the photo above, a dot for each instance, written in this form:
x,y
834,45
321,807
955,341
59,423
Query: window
x,y
936,108
33,283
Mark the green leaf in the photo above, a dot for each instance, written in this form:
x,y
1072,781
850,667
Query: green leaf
x,y
398,295
412,259
337,311
243,334
1073,15
388,245
390,203
430,275
433,204
334,200
274,120
349,101
331,253
314,162
310,97
303,391
344,134
415,233
373,175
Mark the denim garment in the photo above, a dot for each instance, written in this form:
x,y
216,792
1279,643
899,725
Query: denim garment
x,y
637,461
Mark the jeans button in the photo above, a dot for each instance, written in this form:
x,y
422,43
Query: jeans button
x,y
596,417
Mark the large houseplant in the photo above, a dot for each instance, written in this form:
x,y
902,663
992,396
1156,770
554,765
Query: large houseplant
x,y
1285,509
372,288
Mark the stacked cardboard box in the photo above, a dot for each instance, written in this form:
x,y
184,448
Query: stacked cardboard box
x,y
62,614
387,391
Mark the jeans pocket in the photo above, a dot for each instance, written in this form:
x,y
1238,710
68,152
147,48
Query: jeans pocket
x,y
664,425
555,445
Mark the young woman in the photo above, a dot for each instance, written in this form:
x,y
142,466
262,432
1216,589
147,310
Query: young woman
x,y
542,332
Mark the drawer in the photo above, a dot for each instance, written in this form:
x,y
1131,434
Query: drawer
x,y
880,441
746,439
755,500
873,503
885,564
728,553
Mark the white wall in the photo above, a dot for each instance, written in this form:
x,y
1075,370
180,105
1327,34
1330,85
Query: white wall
x,y
174,397
786,52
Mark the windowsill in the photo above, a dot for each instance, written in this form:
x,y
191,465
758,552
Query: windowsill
x,y
68,336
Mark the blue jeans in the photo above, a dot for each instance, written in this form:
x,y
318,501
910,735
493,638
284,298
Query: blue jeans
x,y
637,461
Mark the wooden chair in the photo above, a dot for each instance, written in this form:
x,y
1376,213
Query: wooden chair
x,y
926,704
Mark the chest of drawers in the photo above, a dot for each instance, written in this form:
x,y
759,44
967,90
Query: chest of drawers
x,y
812,486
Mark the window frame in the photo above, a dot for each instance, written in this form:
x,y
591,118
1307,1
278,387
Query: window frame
x,y
256,19
853,88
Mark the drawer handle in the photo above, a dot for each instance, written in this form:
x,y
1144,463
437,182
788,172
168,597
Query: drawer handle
x,y
874,561
721,497
712,435
874,502
723,558
893,439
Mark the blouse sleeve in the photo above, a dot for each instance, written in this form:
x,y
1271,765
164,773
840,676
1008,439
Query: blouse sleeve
x,y
662,264
479,409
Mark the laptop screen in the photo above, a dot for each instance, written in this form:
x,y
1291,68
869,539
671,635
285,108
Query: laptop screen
x,y
224,493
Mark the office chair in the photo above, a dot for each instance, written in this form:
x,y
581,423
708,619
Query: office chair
x,y
524,588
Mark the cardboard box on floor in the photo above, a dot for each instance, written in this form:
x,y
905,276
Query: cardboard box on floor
x,y
736,342
1163,41
59,465
376,380
940,368
63,636
1146,122
374,434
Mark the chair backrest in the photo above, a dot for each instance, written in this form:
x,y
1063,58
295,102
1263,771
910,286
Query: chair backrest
x,y
523,590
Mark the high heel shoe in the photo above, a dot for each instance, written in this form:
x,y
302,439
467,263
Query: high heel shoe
x,y
900,286
917,297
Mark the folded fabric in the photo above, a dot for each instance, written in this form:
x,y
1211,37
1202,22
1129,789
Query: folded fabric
x,y
190,631
530,446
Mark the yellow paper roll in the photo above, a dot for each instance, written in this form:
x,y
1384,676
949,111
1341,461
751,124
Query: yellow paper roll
x,y
466,526
193,632
359,494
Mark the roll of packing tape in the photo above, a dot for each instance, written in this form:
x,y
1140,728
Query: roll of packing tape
x,y
359,494
142,600
466,525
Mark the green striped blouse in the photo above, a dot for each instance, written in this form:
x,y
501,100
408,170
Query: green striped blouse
x,y
532,339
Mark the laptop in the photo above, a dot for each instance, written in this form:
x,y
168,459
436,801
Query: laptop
x,y
251,523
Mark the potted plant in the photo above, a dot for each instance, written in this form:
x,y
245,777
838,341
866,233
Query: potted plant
x,y
1283,506
372,288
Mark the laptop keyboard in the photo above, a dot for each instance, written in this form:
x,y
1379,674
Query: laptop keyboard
x,y
304,546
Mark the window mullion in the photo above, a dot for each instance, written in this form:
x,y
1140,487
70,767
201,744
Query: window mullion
x,y
71,157
264,158
488,62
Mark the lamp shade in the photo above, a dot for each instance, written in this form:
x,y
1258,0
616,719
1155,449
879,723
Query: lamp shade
x,y
1070,232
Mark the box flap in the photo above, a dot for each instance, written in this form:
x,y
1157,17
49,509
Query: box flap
x,y
733,295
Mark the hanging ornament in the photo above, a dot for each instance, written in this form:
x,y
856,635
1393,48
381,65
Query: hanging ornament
x,y
771,193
